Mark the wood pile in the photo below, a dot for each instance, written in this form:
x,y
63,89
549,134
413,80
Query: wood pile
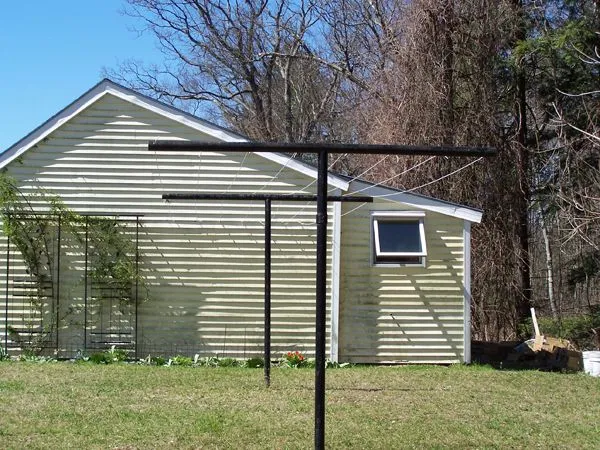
x,y
545,353
541,352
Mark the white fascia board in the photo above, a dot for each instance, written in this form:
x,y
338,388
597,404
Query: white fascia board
x,y
52,124
170,112
173,113
219,133
335,280
467,291
416,201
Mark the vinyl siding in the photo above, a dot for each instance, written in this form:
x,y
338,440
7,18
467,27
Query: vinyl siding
x,y
203,261
409,314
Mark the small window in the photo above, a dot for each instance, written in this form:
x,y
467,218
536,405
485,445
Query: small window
x,y
399,237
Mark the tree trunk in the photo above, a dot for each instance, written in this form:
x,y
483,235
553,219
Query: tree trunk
x,y
448,72
287,100
549,265
524,301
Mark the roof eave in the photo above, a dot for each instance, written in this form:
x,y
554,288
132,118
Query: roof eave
x,y
42,131
107,86
472,215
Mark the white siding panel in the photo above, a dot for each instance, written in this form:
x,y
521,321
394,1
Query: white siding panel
x,y
203,260
409,314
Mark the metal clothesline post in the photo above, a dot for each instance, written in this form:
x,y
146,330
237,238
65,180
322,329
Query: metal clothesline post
x,y
59,245
321,300
322,150
137,281
267,318
267,198
85,288
6,295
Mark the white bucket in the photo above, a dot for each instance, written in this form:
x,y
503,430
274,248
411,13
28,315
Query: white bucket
x,y
591,363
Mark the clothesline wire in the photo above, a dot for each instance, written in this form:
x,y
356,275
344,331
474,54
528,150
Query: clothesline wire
x,y
381,182
416,187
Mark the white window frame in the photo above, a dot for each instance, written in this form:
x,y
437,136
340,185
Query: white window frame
x,y
397,216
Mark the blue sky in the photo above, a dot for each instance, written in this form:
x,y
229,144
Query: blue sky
x,y
52,51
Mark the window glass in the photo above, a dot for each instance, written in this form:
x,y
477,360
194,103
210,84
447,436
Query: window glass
x,y
399,236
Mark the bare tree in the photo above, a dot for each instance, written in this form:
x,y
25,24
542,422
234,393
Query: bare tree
x,y
483,72
248,59
438,84
579,193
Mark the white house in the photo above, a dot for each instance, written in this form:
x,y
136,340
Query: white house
x,y
398,269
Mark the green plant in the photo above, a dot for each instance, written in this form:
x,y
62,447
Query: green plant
x,y
98,358
117,354
113,255
209,361
109,356
158,361
336,365
153,361
179,360
31,221
36,358
80,356
33,234
229,362
4,356
254,363
294,359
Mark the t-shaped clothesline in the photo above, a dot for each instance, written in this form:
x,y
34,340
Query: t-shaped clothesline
x,y
322,151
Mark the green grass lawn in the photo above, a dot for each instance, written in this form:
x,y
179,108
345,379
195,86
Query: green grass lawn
x,y
66,405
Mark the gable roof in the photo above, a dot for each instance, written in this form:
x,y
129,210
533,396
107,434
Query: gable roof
x,y
412,199
107,86
342,182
